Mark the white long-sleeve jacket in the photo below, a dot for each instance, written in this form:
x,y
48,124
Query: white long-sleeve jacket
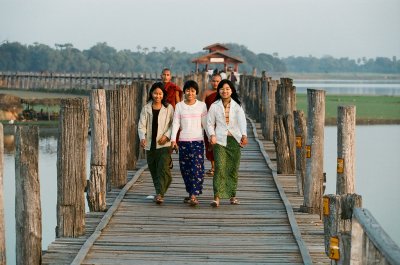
x,y
216,123
164,124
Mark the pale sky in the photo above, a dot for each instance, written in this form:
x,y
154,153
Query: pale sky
x,y
340,28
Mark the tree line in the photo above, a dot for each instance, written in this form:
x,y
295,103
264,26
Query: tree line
x,y
101,57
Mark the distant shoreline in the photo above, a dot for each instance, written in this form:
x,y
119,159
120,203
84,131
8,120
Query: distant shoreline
x,y
337,76
333,121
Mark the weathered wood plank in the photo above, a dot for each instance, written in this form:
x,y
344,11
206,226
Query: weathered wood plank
x,y
140,232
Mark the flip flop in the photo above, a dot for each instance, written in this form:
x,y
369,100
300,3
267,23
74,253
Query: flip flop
x,y
214,203
193,202
234,201
159,199
210,172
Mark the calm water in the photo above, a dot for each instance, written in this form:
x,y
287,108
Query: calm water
x,y
353,87
48,190
377,179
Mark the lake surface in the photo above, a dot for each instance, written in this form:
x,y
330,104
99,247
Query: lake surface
x,y
352,87
377,179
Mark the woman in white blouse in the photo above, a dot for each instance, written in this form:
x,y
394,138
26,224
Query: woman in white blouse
x,y
226,125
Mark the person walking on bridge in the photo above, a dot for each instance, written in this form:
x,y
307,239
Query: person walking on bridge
x,y
209,98
174,92
190,118
174,95
226,125
154,128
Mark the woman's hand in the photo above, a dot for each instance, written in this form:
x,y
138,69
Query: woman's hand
x,y
143,143
213,139
174,145
163,140
243,141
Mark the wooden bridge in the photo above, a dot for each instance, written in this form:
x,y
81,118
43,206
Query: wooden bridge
x,y
266,228
272,225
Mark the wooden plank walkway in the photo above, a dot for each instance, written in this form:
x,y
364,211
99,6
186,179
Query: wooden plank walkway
x,y
261,230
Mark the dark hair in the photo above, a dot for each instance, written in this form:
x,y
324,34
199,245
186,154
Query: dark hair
x,y
216,74
191,84
165,69
159,85
234,95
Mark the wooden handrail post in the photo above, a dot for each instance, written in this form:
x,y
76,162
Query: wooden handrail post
x,y
2,227
337,218
313,184
117,119
346,149
71,167
97,188
370,244
300,129
28,212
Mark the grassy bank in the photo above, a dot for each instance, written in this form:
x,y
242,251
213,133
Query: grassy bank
x,y
369,109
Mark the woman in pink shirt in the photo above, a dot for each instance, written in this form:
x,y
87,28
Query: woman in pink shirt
x,y
190,119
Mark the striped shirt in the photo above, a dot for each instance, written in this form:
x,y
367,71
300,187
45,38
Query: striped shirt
x,y
190,120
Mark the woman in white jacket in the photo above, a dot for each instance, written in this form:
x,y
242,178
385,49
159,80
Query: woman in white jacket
x,y
154,129
226,125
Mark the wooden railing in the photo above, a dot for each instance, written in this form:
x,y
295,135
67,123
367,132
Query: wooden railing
x,y
49,80
352,235
370,244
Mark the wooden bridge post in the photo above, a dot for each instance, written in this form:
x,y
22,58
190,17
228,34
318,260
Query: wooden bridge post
x,y
281,148
263,103
2,227
134,112
141,101
117,138
272,86
28,212
313,185
97,188
337,218
260,104
252,97
300,129
285,105
71,167
346,149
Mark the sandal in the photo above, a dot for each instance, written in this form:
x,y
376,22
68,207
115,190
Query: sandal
x,y
214,203
186,200
210,172
234,201
158,199
193,201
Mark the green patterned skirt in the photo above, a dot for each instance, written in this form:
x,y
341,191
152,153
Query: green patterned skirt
x,y
227,161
